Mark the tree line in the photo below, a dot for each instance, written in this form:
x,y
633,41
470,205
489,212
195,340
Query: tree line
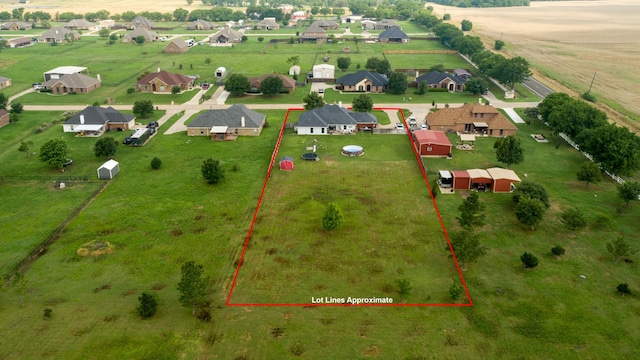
x,y
482,3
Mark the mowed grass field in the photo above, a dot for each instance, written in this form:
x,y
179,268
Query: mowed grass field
x,y
390,232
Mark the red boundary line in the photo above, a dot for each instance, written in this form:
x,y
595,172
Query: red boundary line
x,y
255,215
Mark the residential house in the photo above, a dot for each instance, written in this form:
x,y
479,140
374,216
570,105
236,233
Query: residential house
x,y
314,33
97,120
268,24
4,82
471,119
436,79
58,34
16,25
149,35
333,119
299,15
72,84
363,81
385,24
393,35
227,124
61,71
108,23
20,42
141,21
4,118
350,19
368,24
432,143
201,25
462,73
80,24
163,82
226,36
288,83
176,46
327,24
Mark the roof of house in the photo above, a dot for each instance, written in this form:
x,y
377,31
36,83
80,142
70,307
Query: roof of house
x,y
324,66
179,42
168,78
376,79
506,174
3,113
393,32
334,115
231,117
461,72
200,24
270,22
228,33
287,82
96,115
75,80
141,21
3,79
314,31
66,70
80,23
19,24
436,77
286,158
479,173
58,33
110,165
460,174
465,115
387,22
20,40
326,23
148,34
431,137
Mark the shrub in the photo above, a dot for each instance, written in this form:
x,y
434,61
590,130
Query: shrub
x,y
557,250
130,91
47,313
404,287
455,291
499,44
148,305
529,261
204,315
589,97
156,163
624,289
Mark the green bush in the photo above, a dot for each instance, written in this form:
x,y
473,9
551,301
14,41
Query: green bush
x,y
557,250
156,163
589,97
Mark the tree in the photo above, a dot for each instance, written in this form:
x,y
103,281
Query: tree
x,y
499,44
529,261
175,89
25,146
313,101
143,108
573,219
446,17
423,87
344,63
156,163
512,71
557,250
260,38
189,2
294,60
16,108
466,25
271,85
237,84
614,147
455,291
148,305
508,150
4,100
332,218
476,86
619,248
628,191
530,212
466,247
362,103
104,32
467,45
589,172
19,286
139,39
212,171
530,190
404,287
180,14
193,285
377,65
105,146
398,83
624,289
54,152
471,212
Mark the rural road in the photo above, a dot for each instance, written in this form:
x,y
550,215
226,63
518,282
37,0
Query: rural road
x,y
537,87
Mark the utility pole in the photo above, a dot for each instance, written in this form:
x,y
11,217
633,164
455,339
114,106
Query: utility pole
x,y
594,77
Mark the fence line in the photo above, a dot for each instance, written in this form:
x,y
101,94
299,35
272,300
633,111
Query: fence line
x,y
53,178
566,138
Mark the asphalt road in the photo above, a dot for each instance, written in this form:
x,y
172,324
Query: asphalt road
x,y
537,87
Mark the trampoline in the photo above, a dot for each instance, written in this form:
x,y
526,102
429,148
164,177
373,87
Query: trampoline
x,y
352,150
310,157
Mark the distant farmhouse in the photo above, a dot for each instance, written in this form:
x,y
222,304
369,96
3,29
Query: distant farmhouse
x,y
163,82
363,81
58,34
333,119
227,124
97,120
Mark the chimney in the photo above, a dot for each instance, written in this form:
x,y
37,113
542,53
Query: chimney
x,y
480,100
158,69
99,78
417,73
81,119
340,103
242,123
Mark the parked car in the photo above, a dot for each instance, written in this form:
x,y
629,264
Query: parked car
x,y
423,126
153,125
321,91
164,38
399,126
127,140
412,120
37,86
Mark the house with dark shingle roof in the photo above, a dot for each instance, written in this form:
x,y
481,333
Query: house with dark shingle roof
x,y
327,24
20,42
385,24
149,35
226,124
471,119
393,35
163,82
363,81
201,25
80,24
436,79
16,25
268,23
72,83
98,119
58,34
314,33
176,46
141,21
226,36
333,119
288,83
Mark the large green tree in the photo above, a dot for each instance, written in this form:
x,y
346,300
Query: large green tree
x,y
212,171
271,85
476,86
54,152
629,191
466,246
512,71
531,190
590,173
471,212
143,108
573,219
105,147
313,101
530,212
398,83
180,14
509,150
344,63
378,65
615,147
362,103
466,25
193,285
237,84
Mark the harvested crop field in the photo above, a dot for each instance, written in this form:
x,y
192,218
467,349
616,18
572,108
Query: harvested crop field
x,y
570,41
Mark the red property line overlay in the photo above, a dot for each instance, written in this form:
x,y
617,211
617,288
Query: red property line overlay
x,y
255,215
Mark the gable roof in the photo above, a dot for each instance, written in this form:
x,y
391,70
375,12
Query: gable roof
x,y
21,25
149,35
334,115
393,32
431,137
3,113
314,31
178,43
141,21
4,79
58,33
376,79
228,33
168,78
270,22
66,70
326,24
76,80
287,82
506,174
449,117
387,23
231,117
200,24
96,115
80,23
436,77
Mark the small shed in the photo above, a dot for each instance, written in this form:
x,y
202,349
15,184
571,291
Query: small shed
x,y
108,170
432,143
294,70
481,180
461,180
220,72
286,163
503,180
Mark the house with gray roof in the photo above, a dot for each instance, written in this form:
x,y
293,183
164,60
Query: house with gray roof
x,y
80,24
333,119
72,84
141,21
327,24
385,24
393,35
176,46
438,80
268,23
314,33
227,124
363,81
149,35
16,25
58,34
4,82
226,36
201,25
96,119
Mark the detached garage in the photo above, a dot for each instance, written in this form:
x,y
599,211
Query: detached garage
x,y
503,179
461,180
481,180
432,143
108,170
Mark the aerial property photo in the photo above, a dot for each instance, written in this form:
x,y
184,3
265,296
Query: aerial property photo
x,y
402,180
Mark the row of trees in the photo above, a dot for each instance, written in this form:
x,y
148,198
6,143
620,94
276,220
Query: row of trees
x,y
238,84
14,108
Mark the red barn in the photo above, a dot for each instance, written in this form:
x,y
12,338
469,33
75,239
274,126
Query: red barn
x,y
286,163
503,179
481,180
461,180
432,143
